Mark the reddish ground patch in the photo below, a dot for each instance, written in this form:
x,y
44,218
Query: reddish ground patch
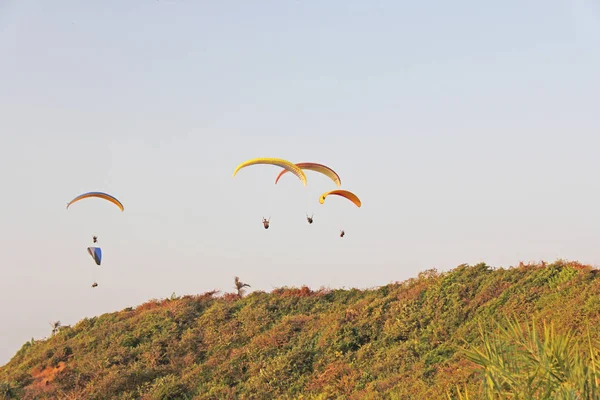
x,y
44,377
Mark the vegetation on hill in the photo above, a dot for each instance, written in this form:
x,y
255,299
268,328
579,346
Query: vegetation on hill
x,y
472,332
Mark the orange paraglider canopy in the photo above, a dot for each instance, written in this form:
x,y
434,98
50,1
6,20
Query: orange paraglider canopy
x,y
343,193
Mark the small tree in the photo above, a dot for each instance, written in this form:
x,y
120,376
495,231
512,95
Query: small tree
x,y
239,285
56,325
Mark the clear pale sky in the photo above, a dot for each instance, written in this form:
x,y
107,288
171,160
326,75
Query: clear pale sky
x,y
470,130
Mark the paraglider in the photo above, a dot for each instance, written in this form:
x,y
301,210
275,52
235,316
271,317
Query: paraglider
x,y
316,167
96,252
343,193
323,169
266,222
99,195
291,167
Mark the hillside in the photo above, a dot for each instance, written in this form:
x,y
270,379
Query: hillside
x,y
403,341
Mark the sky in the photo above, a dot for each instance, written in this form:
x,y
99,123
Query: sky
x,y
470,132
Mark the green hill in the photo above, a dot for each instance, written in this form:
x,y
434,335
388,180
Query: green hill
x,y
418,339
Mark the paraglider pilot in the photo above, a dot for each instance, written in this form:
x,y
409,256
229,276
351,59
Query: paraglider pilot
x,y
342,233
309,219
94,284
266,222
95,238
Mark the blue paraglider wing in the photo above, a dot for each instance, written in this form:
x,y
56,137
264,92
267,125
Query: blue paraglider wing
x,y
96,253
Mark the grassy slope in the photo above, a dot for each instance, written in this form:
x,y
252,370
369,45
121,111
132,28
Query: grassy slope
x,y
399,341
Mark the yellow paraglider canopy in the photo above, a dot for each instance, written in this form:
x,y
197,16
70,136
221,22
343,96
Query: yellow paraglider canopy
x,y
343,193
289,166
323,169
